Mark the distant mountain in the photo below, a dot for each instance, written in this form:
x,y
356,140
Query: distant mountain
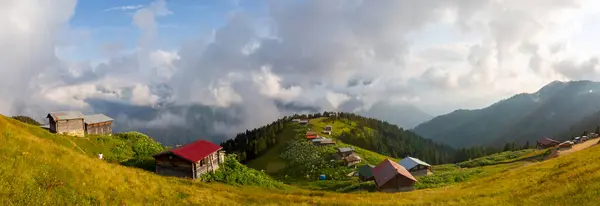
x,y
524,117
404,115
590,123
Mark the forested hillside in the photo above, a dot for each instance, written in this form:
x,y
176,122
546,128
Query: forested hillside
x,y
391,140
521,118
366,133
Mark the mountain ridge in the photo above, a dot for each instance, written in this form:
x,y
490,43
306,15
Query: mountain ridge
x,y
520,118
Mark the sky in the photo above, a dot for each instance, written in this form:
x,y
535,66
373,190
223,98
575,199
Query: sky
x,y
438,55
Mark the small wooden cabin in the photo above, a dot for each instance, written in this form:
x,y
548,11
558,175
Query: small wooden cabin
x,y
365,173
190,160
67,122
344,152
415,166
546,143
311,135
352,160
98,124
392,177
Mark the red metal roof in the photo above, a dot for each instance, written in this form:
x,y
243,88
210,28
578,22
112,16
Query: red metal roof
x,y
311,135
387,170
196,151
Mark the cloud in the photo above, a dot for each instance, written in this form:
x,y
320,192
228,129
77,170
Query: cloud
x,y
306,55
124,8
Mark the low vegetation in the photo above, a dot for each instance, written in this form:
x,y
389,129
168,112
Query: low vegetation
x,y
498,158
233,173
41,171
27,120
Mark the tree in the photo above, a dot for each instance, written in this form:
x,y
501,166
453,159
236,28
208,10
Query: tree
x,y
506,147
597,129
585,133
526,145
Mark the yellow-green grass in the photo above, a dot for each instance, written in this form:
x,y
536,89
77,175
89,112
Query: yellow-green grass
x,y
36,171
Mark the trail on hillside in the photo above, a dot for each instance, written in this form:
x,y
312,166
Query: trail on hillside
x,y
75,145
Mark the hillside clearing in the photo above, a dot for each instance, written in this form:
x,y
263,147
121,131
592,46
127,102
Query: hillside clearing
x,y
36,171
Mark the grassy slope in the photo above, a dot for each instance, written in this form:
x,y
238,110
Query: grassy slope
x,y
35,171
272,163
339,126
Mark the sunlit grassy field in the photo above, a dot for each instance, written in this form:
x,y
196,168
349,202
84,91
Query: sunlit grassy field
x,y
37,171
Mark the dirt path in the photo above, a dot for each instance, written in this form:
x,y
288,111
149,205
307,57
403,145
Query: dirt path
x,y
75,145
575,148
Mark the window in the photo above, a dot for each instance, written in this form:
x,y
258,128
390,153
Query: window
x,y
202,163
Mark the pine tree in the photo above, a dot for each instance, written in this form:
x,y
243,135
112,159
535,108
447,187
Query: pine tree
x,y
526,145
597,129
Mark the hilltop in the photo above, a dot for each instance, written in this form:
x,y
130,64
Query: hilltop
x,y
36,170
524,117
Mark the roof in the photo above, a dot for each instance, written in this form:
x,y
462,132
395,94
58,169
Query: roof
x,y
387,170
345,149
547,141
366,171
194,151
311,135
352,158
96,118
410,162
66,115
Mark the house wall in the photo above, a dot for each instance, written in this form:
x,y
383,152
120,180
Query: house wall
x,y
73,127
209,164
52,124
421,172
99,128
397,184
172,165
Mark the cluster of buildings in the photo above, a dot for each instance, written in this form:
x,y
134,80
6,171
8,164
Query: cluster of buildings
x,y
546,142
390,176
75,123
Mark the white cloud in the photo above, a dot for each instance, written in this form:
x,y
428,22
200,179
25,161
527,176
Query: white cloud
x,y
437,54
125,8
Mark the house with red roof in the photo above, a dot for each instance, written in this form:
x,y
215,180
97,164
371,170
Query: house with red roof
x,y
190,160
391,177
311,135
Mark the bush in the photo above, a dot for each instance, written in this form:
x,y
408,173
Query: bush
x,y
494,159
27,120
234,173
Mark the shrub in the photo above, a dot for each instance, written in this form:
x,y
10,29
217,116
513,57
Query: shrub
x,y
27,120
234,173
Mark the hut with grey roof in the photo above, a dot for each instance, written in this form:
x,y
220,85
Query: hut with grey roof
x,y
67,122
415,166
98,124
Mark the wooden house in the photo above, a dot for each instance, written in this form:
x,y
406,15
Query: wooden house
x,y
190,160
311,135
365,173
352,160
303,121
344,152
322,141
67,122
415,166
98,124
391,177
545,142
328,128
